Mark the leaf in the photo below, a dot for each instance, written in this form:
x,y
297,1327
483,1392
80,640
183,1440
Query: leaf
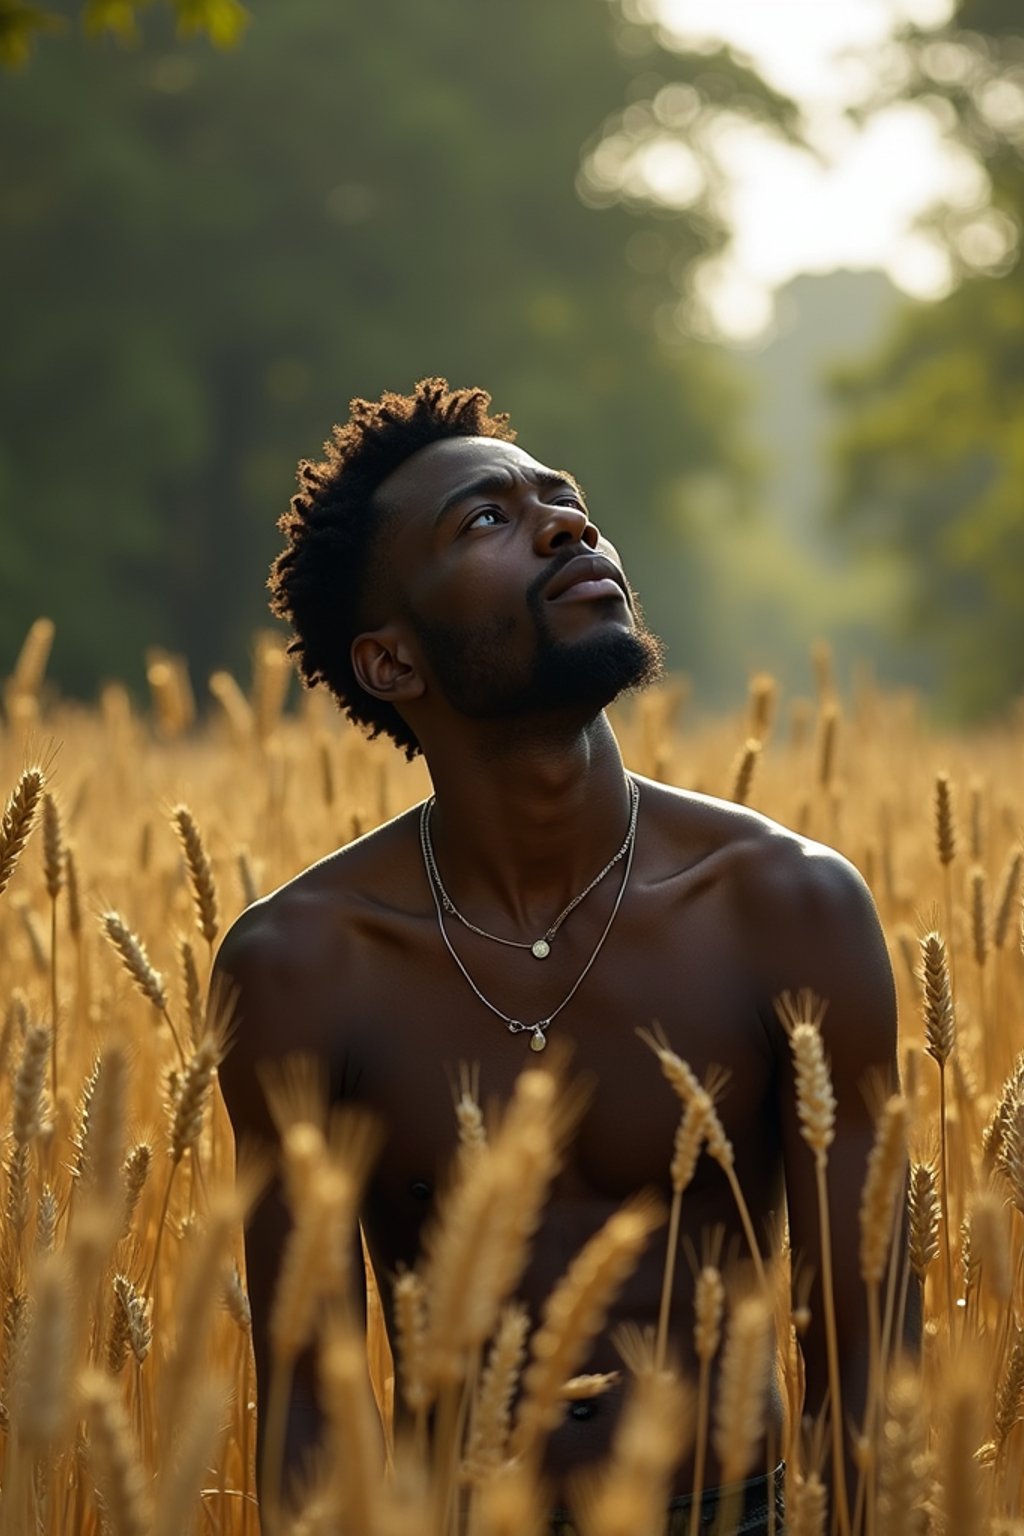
x,y
114,16
222,21
19,26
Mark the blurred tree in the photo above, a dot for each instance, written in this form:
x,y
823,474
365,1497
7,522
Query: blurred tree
x,y
205,255
22,24
932,452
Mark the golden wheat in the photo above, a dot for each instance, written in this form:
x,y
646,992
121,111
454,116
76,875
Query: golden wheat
x,y
122,1288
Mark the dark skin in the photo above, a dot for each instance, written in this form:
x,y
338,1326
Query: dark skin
x,y
724,910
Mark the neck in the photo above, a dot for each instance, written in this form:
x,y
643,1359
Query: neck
x,y
521,824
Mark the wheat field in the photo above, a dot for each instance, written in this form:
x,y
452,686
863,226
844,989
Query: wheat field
x,y
132,837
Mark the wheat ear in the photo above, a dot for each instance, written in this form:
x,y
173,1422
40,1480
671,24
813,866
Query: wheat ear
x,y
807,1510
690,1135
53,875
743,1387
101,1127
411,1334
30,664
743,770
491,1416
178,1487
200,870
43,1399
816,1107
136,961
945,845
134,1173
18,820
680,1075
469,1118
509,1504
940,1037
114,1458
1010,1393
193,990
1009,887
903,1465
708,1306
478,1250
650,1439
924,1212
47,1215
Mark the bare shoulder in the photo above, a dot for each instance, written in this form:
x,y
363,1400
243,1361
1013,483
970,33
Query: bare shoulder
x,y
287,961
803,914
766,861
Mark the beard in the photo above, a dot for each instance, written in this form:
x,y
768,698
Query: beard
x,y
575,678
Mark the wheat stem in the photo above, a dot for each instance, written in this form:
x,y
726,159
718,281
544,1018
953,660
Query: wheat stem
x,y
832,1347
667,1279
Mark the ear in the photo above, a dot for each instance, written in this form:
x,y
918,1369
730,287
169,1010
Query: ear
x,y
385,666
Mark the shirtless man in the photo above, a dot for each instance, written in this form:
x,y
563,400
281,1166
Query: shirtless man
x,y
456,595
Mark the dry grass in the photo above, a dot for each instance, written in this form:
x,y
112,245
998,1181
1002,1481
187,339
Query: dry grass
x,y
126,1383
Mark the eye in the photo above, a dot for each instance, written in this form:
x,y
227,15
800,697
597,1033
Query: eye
x,y
484,512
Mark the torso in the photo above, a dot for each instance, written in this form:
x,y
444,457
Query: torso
x,y
681,953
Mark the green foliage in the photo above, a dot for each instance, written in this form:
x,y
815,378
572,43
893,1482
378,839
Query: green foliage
x,y
212,252
222,21
932,452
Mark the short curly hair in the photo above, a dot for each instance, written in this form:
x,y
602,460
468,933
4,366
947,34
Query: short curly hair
x,y
319,579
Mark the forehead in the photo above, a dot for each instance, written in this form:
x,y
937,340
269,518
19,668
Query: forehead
x,y
425,480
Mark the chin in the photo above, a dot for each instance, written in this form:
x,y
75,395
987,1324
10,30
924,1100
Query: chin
x,y
592,673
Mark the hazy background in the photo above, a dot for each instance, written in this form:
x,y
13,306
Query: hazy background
x,y
750,268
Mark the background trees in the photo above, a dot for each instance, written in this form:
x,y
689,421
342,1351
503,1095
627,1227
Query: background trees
x,y
932,449
208,253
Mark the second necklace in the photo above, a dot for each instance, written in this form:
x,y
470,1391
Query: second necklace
x,y
539,948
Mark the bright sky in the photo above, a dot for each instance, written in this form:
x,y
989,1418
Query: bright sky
x,y
793,213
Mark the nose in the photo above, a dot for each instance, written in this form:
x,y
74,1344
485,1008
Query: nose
x,y
558,526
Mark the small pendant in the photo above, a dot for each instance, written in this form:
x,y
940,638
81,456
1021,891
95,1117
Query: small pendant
x,y
540,950
537,1040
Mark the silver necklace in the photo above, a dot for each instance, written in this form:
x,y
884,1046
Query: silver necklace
x,y
538,1030
539,948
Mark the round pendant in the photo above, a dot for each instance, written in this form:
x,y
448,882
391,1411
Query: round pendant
x,y
541,949
537,1040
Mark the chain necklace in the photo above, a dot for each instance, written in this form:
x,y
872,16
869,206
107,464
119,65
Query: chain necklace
x,y
537,1031
540,948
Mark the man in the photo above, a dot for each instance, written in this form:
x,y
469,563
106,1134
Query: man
x,y
456,595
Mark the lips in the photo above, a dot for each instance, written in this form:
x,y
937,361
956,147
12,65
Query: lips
x,y
591,573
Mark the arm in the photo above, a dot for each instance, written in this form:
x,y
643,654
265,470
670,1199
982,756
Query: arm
x,y
278,1011
822,932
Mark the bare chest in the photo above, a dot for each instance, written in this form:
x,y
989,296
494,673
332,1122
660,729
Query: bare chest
x,y
412,1022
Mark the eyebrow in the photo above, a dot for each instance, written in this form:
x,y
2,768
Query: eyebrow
x,y
494,482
